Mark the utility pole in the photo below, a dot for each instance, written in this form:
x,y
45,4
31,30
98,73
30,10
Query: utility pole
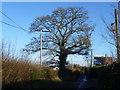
x,y
91,58
87,61
40,48
71,63
117,35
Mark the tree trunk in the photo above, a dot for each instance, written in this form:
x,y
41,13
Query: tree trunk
x,y
62,63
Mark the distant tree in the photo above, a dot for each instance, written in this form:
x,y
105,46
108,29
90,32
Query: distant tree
x,y
66,31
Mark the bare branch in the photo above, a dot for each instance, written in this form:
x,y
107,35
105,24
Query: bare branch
x,y
66,30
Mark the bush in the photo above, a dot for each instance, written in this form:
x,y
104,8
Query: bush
x,y
92,73
115,75
70,74
104,77
109,76
49,73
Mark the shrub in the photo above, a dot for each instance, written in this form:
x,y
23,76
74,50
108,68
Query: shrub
x,y
115,75
71,74
109,76
104,77
50,73
92,73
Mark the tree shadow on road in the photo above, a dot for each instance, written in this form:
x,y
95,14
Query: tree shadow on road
x,y
40,84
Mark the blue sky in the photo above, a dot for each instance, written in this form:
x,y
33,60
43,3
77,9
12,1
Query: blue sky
x,y
25,13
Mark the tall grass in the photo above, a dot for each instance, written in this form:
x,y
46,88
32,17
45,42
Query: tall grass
x,y
19,69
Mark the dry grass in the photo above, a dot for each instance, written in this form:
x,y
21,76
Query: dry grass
x,y
15,71
19,69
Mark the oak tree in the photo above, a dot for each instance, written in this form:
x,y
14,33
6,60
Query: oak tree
x,y
66,31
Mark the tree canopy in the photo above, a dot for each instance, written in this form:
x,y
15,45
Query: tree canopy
x,y
66,30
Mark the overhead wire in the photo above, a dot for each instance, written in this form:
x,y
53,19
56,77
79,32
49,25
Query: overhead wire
x,y
13,22
9,24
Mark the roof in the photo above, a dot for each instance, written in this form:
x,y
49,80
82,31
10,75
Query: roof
x,y
98,57
102,57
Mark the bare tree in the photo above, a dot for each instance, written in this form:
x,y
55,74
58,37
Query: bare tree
x,y
66,31
111,36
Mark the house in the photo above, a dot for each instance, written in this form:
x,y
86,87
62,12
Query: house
x,y
103,60
53,64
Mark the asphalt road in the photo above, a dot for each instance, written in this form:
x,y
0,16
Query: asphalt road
x,y
91,83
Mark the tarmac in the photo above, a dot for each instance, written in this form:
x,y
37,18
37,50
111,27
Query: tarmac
x,y
90,84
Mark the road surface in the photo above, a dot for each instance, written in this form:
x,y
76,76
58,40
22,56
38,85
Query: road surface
x,y
85,83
